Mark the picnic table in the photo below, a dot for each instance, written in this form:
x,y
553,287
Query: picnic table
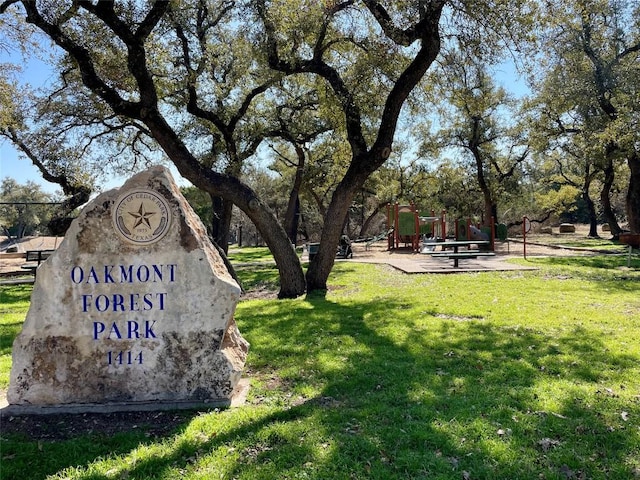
x,y
456,254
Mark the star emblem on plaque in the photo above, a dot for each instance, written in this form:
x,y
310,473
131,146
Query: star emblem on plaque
x,y
141,217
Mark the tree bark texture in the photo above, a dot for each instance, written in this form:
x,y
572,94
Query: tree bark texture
x,y
633,193
221,221
605,199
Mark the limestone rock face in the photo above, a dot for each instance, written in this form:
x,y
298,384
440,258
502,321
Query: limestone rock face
x,y
135,305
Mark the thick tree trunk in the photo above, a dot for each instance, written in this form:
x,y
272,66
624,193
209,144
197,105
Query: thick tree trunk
x,y
364,160
320,267
334,219
605,200
292,281
633,193
591,209
221,221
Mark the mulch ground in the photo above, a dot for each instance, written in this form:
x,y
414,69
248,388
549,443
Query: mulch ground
x,y
66,426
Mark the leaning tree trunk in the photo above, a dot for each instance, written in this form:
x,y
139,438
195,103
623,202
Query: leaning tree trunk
x,y
366,225
321,265
144,108
605,200
633,193
292,280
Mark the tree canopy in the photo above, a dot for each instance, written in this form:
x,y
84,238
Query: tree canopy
x,y
588,100
326,88
25,210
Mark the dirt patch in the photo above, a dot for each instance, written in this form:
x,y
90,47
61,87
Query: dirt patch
x,y
66,426
261,293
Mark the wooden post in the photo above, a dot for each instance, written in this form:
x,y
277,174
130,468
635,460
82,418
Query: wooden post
x,y
526,227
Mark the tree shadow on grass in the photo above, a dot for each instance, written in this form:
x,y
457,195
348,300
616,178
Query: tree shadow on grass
x,y
11,294
446,396
363,392
8,333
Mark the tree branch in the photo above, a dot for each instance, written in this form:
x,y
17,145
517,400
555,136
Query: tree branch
x,y
90,77
401,37
6,4
353,116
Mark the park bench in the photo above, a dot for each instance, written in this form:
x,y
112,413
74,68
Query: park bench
x,y
34,258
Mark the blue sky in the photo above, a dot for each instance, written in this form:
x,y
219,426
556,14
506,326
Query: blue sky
x,y
16,165
22,170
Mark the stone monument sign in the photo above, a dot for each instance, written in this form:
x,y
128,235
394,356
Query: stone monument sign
x,y
135,306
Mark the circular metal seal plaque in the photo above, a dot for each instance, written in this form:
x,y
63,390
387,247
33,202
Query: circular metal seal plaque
x,y
141,217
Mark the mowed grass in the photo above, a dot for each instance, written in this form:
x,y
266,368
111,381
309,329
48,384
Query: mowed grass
x,y
14,303
505,375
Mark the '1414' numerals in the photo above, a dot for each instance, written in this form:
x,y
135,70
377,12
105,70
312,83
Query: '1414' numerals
x,y
124,358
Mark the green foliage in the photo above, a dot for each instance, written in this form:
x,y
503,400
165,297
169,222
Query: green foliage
x,y
201,203
19,217
559,201
584,109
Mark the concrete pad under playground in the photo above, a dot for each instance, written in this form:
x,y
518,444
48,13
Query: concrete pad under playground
x,y
408,261
420,263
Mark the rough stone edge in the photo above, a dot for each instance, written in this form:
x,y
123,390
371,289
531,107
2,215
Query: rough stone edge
x,y
238,399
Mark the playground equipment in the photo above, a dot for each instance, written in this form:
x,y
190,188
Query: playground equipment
x,y
434,227
466,231
407,226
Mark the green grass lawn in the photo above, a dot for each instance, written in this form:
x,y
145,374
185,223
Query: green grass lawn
x,y
505,375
